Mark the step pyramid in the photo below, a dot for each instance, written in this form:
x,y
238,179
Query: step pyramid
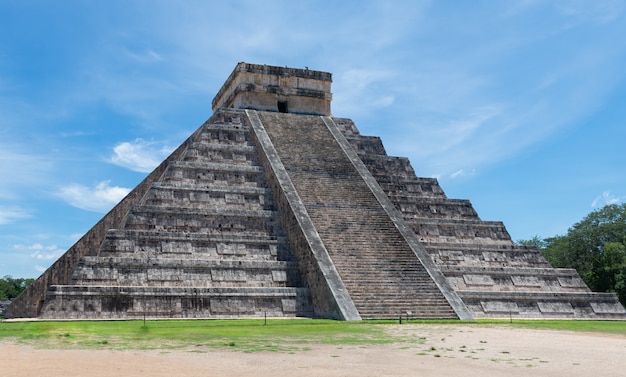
x,y
275,208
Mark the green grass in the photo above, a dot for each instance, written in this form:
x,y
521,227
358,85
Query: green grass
x,y
251,335
240,335
608,327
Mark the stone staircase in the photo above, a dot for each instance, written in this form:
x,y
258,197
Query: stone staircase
x,y
493,276
203,242
382,274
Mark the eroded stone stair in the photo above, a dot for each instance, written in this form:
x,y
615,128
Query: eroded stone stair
x,y
383,276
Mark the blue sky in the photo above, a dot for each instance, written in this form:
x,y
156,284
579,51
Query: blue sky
x,y
519,106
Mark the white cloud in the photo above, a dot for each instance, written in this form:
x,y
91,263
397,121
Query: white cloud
x,y
11,214
74,237
359,89
145,56
40,269
601,11
41,252
605,199
458,173
140,155
455,146
100,198
384,101
462,173
33,169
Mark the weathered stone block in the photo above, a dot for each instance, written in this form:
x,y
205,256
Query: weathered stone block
x,y
503,307
556,307
478,280
526,281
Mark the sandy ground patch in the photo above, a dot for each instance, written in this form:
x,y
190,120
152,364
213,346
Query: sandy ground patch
x,y
436,351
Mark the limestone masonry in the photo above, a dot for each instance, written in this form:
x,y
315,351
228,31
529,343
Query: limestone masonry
x,y
4,303
274,207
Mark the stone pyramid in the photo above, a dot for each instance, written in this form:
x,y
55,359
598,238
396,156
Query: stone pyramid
x,y
274,207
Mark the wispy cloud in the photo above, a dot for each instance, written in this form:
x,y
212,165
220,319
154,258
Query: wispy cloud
x,y
41,252
454,145
462,173
140,155
74,237
605,199
39,268
144,56
358,91
477,107
12,214
100,198
23,170
601,11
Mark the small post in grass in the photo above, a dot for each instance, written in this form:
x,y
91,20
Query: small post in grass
x,y
264,318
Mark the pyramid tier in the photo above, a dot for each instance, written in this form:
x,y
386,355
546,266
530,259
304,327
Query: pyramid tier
x,y
110,302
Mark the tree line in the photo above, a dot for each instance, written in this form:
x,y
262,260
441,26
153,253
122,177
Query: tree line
x,y
10,288
595,247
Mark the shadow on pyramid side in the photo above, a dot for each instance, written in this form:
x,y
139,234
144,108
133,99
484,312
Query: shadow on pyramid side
x,y
275,208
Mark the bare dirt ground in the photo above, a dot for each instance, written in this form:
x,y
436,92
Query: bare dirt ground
x,y
444,350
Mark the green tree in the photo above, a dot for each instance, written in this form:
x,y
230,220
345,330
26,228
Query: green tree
x,y
595,247
536,241
11,288
607,270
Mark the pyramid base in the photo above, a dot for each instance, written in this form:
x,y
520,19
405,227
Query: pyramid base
x,y
100,302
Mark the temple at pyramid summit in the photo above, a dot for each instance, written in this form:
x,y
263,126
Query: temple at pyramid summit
x,y
273,207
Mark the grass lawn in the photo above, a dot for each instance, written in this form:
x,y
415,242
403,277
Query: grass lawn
x,y
251,335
